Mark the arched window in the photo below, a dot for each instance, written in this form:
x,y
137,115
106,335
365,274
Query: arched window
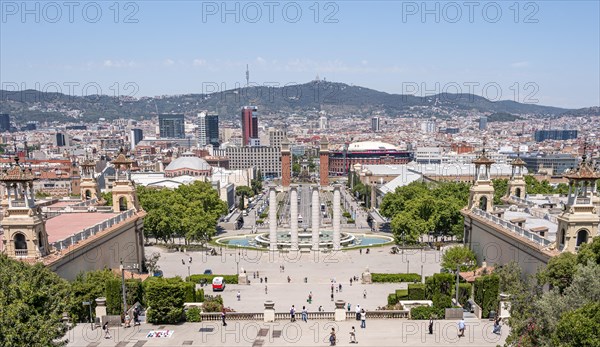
x,y
20,244
122,204
518,192
40,243
483,203
88,194
563,236
582,237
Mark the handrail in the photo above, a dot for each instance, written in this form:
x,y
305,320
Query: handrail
x,y
328,315
514,228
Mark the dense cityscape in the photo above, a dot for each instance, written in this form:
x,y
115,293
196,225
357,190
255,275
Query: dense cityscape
x,y
297,214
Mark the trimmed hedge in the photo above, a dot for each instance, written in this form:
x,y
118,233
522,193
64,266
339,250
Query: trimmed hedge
x,y
416,291
442,301
230,279
193,315
190,292
426,312
487,293
395,278
200,295
438,283
392,299
165,298
402,294
114,297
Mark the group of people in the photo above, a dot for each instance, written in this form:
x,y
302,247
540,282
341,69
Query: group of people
x,y
333,337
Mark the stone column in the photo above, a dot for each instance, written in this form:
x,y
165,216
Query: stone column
x,y
269,312
340,311
272,219
315,218
101,310
294,216
337,226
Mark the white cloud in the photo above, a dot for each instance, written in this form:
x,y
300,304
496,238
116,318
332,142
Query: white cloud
x,y
119,63
169,62
199,62
519,64
261,61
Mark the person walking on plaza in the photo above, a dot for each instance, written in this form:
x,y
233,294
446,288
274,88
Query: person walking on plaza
x,y
331,296
431,325
289,279
365,294
332,338
340,287
309,298
461,328
292,314
190,259
266,290
357,312
106,331
497,326
223,317
304,314
348,307
239,295
353,335
363,319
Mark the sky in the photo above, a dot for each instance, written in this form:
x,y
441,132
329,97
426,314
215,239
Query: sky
x,y
545,52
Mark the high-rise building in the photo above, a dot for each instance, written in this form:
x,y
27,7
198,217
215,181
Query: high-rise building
x,y
542,135
61,140
4,122
323,123
429,126
208,129
483,122
171,126
250,126
137,135
276,137
375,124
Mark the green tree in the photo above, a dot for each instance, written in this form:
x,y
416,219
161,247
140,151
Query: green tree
x,y
107,196
579,328
510,277
165,298
296,169
32,301
88,287
500,189
243,192
589,252
458,255
560,270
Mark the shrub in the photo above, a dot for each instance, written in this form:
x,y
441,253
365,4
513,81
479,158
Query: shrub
x,y
350,221
200,295
487,292
165,299
395,278
231,279
441,301
392,299
135,291
346,215
193,315
464,292
424,312
263,215
190,292
213,304
438,283
402,294
416,291
114,298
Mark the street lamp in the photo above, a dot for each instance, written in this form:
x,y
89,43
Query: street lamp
x,y
189,272
88,303
123,289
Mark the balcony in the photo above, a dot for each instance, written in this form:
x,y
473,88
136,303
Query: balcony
x,y
21,253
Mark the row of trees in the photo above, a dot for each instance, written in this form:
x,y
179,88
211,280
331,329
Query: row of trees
x,y
244,192
191,211
533,186
419,209
566,315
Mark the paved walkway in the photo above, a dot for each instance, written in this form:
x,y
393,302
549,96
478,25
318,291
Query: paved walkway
x,y
319,269
390,332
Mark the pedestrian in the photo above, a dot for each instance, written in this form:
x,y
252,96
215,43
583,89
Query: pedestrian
x,y
361,251
365,294
461,327
332,337
304,314
292,314
136,316
331,296
190,260
497,326
106,331
261,280
223,317
265,279
350,281
357,312
348,307
363,319
431,325
266,291
320,308
353,335
332,286
238,295
310,298
289,279
340,287
182,261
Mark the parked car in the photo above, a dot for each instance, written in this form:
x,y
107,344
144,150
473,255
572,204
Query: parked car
x,y
208,272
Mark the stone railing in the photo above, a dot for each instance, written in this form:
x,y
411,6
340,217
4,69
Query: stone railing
x,y
542,241
324,315
216,316
88,232
387,314
543,215
522,201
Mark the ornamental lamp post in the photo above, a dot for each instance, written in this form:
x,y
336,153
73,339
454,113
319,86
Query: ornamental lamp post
x,y
88,303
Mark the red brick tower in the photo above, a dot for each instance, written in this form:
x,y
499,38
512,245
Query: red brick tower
x,y
324,161
286,163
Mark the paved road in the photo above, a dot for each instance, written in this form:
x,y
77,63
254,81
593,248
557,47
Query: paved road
x,y
390,332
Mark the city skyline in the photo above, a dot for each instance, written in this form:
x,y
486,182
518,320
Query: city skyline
x,y
549,45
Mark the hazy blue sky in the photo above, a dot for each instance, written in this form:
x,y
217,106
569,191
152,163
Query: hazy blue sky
x,y
544,52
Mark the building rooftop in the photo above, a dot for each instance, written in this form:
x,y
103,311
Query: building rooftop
x,y
67,224
188,162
